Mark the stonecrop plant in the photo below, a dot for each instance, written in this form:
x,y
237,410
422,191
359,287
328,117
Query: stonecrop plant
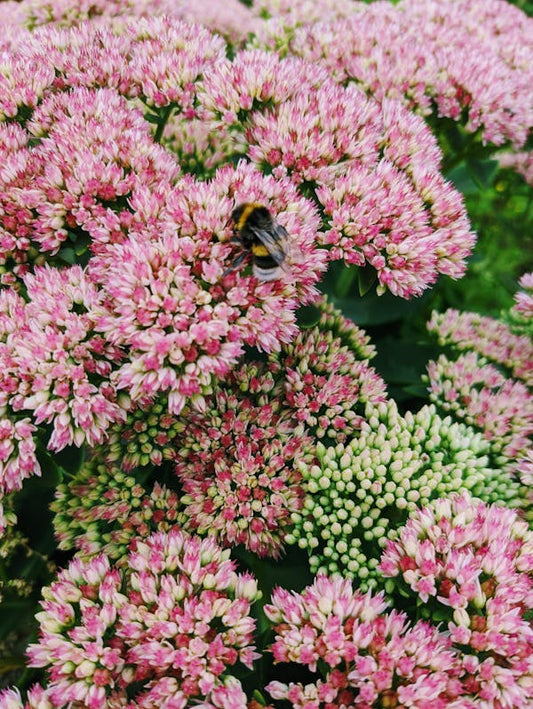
x,y
257,449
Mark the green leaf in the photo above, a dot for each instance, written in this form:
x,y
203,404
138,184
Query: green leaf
x,y
462,179
68,255
417,390
308,316
482,172
52,472
345,281
259,698
366,278
374,309
402,362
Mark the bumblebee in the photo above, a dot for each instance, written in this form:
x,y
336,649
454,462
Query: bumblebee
x,y
259,233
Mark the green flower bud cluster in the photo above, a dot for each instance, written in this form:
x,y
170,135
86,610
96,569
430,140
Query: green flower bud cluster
x,y
102,509
358,494
145,438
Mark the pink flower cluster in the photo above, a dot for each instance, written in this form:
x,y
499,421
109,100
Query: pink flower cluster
x,y
480,395
233,20
375,158
368,657
53,367
524,298
520,316
35,13
475,563
236,462
36,699
491,338
166,311
326,377
302,12
521,162
468,61
162,632
180,310
161,60
375,170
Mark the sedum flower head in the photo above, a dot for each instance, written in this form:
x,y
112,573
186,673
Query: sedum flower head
x,y
164,629
466,61
302,11
238,458
103,509
470,564
365,655
488,337
478,393
344,148
237,463
86,167
55,369
145,437
358,493
11,698
520,316
199,148
91,156
327,383
181,309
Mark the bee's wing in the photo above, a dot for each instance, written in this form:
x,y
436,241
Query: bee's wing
x,y
275,241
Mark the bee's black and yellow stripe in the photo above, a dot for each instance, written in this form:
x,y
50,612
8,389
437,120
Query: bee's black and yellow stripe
x,y
260,250
245,213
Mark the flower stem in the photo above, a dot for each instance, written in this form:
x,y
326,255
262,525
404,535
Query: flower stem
x,y
165,115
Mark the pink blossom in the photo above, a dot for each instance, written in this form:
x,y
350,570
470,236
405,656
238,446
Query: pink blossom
x,y
520,316
236,461
36,699
253,80
18,459
470,60
326,386
366,655
475,391
167,627
482,573
489,337
54,363
183,312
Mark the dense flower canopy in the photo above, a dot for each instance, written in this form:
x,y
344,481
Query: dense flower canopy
x,y
201,450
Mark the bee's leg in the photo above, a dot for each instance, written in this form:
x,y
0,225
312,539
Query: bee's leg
x,y
235,264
